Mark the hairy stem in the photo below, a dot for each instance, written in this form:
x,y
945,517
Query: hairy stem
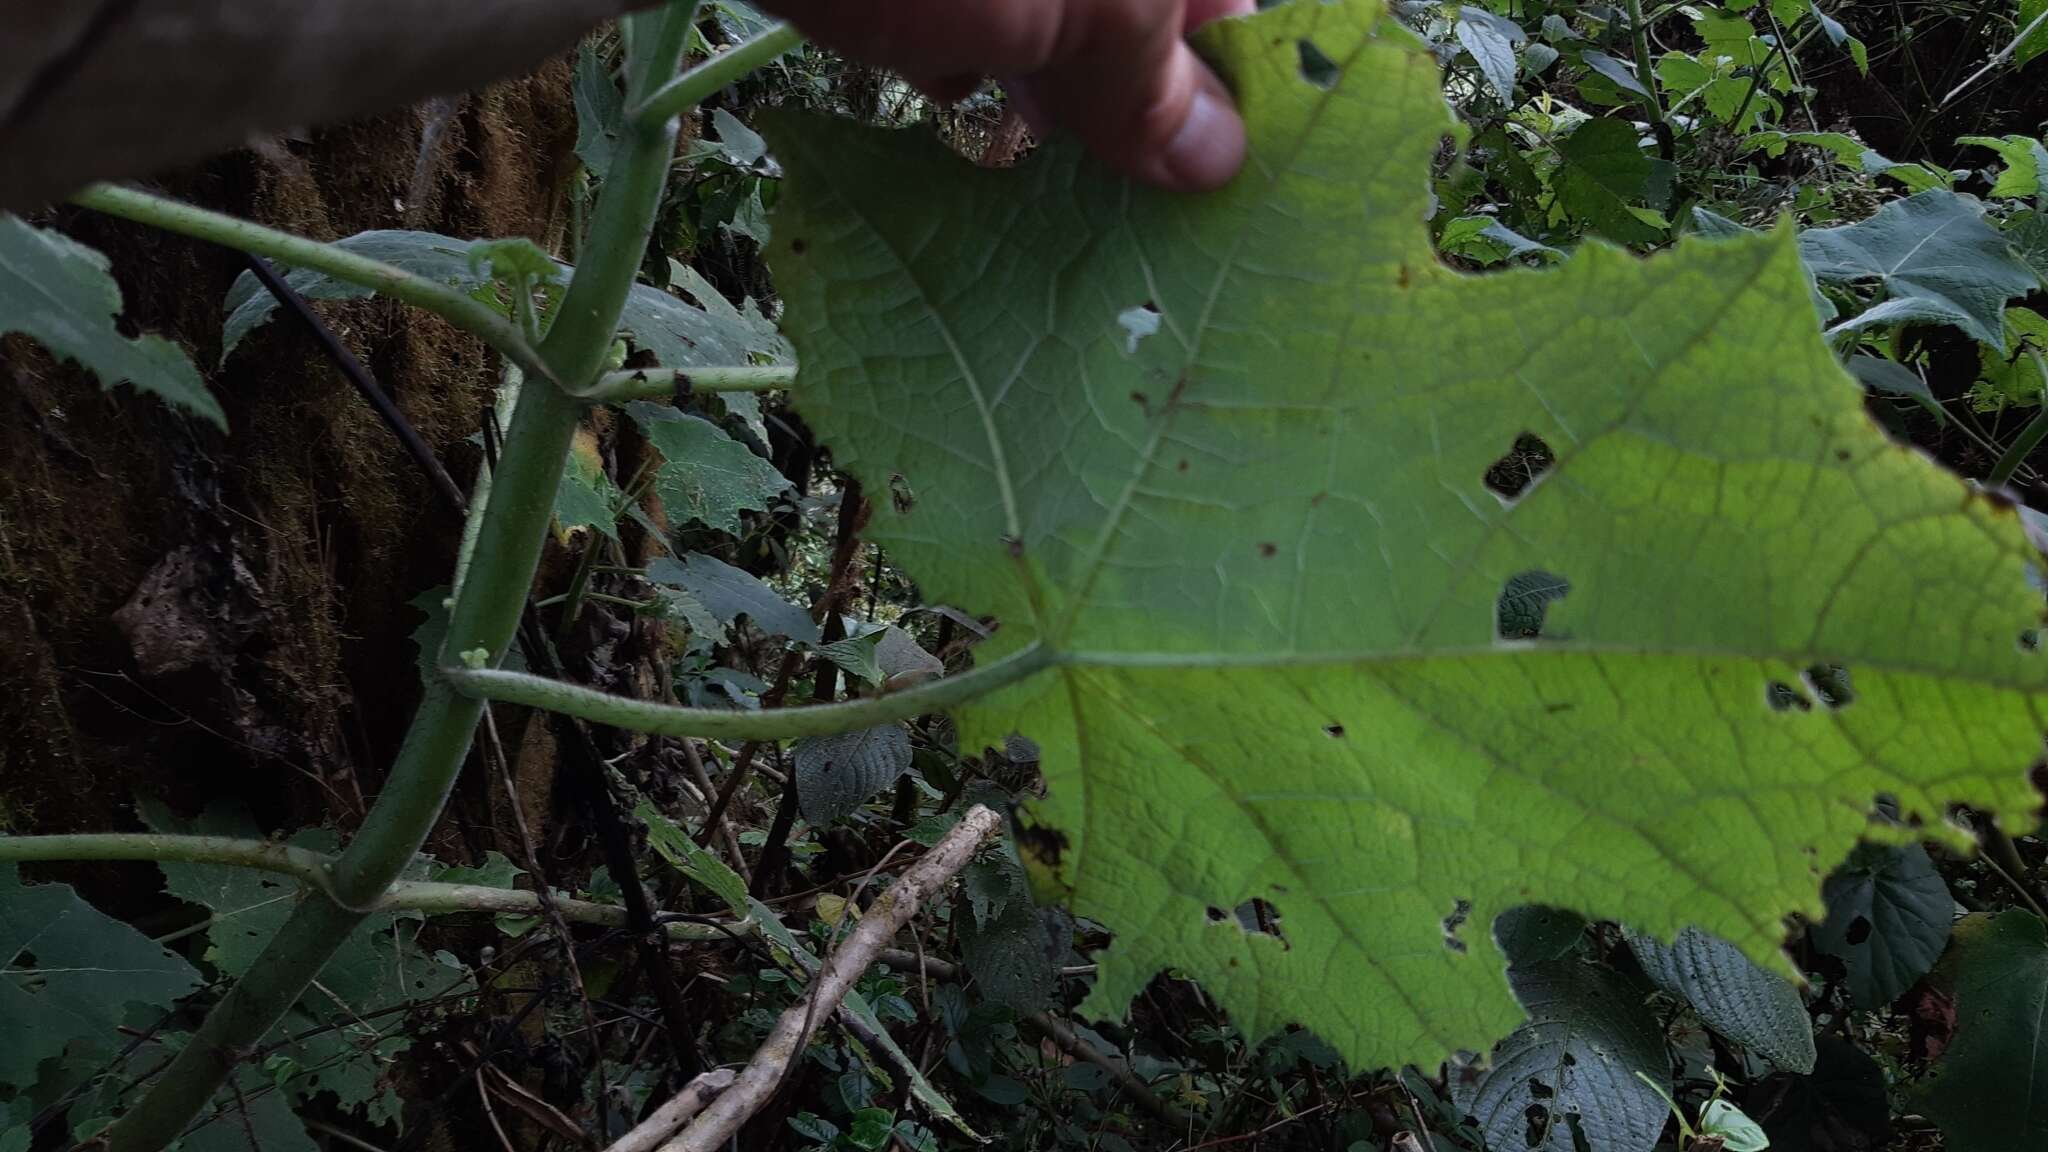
x,y
449,303
2030,437
1646,70
313,869
661,383
484,619
723,724
689,90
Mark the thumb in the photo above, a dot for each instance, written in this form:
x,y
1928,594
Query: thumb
x,y
1143,102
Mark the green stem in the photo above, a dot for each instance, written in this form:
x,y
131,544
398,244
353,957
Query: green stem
x,y
2030,437
661,383
1646,69
313,869
262,855
691,88
485,616
449,303
727,724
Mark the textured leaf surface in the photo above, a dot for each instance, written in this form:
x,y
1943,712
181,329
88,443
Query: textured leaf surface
x,y
729,593
1570,1072
1889,915
68,974
2035,43
1936,258
837,774
1990,1093
57,292
378,967
707,476
1260,550
1759,1010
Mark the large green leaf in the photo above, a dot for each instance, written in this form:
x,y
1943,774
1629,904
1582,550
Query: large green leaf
x,y
1934,256
1259,551
57,292
2035,42
68,976
1990,1091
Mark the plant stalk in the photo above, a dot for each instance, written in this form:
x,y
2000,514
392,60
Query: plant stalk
x,y
768,724
449,303
691,88
486,613
312,869
661,383
1646,71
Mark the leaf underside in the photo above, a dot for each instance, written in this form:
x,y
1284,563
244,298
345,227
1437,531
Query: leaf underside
x,y
1261,546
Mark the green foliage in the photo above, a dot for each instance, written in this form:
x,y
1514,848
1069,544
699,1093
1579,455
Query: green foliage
x,y
1573,1076
1260,547
837,774
1888,920
70,977
1758,1010
2034,44
728,594
707,476
1935,259
678,332
336,1043
57,292
1991,1091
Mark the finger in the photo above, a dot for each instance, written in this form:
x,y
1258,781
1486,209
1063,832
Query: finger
x,y
947,90
1200,12
1146,105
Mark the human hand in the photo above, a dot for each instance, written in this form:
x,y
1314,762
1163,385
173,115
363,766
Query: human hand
x,y
1116,73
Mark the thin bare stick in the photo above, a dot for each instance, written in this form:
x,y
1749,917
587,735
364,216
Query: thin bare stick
x,y
2003,55
756,1084
649,1134
484,1094
1071,1043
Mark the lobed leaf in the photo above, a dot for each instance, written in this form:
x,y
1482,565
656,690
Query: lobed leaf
x,y
58,293
1261,550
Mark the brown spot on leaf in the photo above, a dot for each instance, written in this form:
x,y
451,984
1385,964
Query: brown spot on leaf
x,y
1269,550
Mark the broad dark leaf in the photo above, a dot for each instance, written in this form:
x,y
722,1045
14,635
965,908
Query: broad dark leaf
x,y
1889,915
1569,1074
729,593
1758,1010
1990,1090
1841,1107
837,774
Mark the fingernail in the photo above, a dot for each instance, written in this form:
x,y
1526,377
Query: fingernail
x,y
1209,148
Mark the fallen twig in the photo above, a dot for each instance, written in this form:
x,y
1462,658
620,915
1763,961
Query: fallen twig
x,y
756,1084
648,1135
